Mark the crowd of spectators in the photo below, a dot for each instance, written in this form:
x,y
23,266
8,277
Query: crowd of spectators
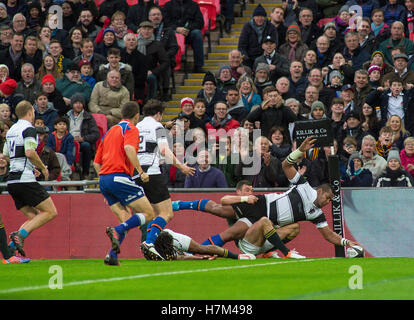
x,y
307,60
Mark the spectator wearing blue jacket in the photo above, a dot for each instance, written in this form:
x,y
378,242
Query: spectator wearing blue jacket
x,y
366,5
393,11
61,140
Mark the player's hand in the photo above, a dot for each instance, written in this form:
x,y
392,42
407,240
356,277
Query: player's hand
x,y
307,144
37,173
209,257
252,199
187,170
144,177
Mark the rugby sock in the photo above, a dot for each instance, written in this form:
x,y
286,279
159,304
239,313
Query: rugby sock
x,y
4,248
155,229
274,239
216,240
23,233
194,205
229,254
135,221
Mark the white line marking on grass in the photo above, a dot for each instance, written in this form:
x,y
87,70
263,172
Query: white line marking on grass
x,y
148,275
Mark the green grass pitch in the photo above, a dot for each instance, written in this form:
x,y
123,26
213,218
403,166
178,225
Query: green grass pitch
x,y
221,279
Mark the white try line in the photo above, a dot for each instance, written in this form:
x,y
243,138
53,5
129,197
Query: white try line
x,y
148,275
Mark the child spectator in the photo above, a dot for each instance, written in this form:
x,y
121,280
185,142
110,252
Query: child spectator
x,y
61,141
87,72
45,110
336,81
355,175
374,74
384,143
317,111
47,155
4,73
407,155
5,112
39,123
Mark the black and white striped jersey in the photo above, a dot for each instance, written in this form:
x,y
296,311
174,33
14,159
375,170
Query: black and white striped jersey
x,y
296,204
21,136
151,135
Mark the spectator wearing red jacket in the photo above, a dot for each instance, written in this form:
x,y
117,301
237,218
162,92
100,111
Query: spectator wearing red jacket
x,y
221,120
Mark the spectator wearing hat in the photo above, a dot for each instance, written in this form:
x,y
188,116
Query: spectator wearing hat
x,y
138,62
72,83
375,76
28,86
225,79
157,58
400,70
352,127
262,77
4,17
45,110
108,96
336,43
107,42
114,63
378,58
47,155
252,35
278,63
210,93
348,95
84,130
336,80
48,86
293,48
309,30
185,18
87,72
396,39
395,175
356,175
318,111
394,101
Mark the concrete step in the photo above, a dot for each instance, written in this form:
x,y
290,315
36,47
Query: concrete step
x,y
215,62
189,89
218,55
224,48
229,41
269,5
179,96
193,82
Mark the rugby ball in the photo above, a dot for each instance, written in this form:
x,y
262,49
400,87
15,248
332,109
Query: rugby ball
x,y
355,252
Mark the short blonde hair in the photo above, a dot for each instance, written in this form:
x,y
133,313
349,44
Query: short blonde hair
x,y
22,108
408,140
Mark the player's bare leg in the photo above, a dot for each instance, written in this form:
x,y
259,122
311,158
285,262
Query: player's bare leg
x,y
212,250
286,234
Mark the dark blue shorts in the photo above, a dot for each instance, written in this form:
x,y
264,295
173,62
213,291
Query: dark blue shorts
x,y
119,187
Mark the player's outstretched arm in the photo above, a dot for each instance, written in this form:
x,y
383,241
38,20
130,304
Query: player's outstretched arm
x,y
230,199
171,158
335,238
288,164
132,157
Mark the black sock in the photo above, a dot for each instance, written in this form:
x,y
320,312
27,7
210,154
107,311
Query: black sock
x,y
4,248
229,254
274,239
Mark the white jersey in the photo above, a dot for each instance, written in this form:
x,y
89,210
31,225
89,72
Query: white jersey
x,y
21,136
152,134
297,204
181,242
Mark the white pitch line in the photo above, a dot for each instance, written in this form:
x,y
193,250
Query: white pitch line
x,y
148,275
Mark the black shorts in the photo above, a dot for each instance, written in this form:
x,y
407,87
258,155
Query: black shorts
x,y
155,189
27,194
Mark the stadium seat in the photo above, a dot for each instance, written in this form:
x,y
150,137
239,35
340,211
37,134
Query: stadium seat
x,y
321,23
161,3
98,2
210,7
77,151
102,123
132,2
